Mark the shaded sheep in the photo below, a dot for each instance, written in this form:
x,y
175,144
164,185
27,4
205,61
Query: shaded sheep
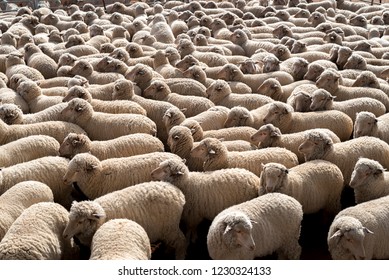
x,y
368,124
156,206
268,224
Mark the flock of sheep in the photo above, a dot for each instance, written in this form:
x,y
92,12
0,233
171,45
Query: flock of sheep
x,y
221,129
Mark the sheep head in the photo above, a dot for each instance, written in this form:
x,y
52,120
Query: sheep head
x,y
277,111
157,90
173,116
364,170
180,140
78,92
270,87
218,90
315,145
321,100
123,90
170,170
365,124
272,177
11,114
329,80
239,116
74,144
348,236
81,166
266,135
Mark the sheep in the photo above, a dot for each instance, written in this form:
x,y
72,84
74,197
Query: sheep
x,y
316,184
49,170
12,114
104,106
368,124
96,178
156,206
369,180
159,90
105,126
219,92
264,225
208,193
330,81
216,156
15,64
36,59
283,53
240,116
368,79
323,100
36,101
80,50
124,146
28,148
315,68
37,234
300,101
358,232
231,72
120,239
55,129
358,62
318,145
18,198
239,37
162,66
283,116
270,136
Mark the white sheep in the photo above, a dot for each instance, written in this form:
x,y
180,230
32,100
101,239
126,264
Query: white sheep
x,y
270,136
36,59
56,129
156,206
159,90
318,145
37,234
206,193
15,64
28,148
283,116
367,124
316,184
359,232
18,198
120,239
369,180
330,81
96,178
216,156
123,146
105,126
323,100
259,227
220,93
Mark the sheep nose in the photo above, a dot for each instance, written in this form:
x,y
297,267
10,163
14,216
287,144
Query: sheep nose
x,y
264,120
252,247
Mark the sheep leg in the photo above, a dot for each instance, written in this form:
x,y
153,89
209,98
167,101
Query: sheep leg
x,y
178,242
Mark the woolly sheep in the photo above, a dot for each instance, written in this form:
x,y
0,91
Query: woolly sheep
x,y
216,156
28,148
15,64
104,106
316,184
36,101
18,198
240,116
120,239
261,226
300,101
358,232
230,72
330,81
37,234
124,146
156,206
323,100
48,170
208,193
105,126
369,180
219,92
96,178
36,59
318,145
367,124
55,129
270,136
159,90
283,116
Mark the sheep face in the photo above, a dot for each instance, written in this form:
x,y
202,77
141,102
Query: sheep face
x,y
364,124
73,144
365,169
123,90
77,92
272,177
77,109
367,79
276,113
208,148
186,62
238,116
11,114
66,59
82,166
250,66
170,170
237,233
270,87
313,72
84,219
16,80
281,52
229,72
265,135
298,47
173,116
349,237
320,99
302,102
355,62
82,68
328,80
140,74
270,64
28,90
218,90
195,72
78,81
315,145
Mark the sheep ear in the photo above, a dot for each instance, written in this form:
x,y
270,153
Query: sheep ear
x,y
160,87
227,229
79,108
286,171
75,142
211,152
332,97
183,160
336,236
275,133
90,167
96,216
183,110
366,230
379,171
